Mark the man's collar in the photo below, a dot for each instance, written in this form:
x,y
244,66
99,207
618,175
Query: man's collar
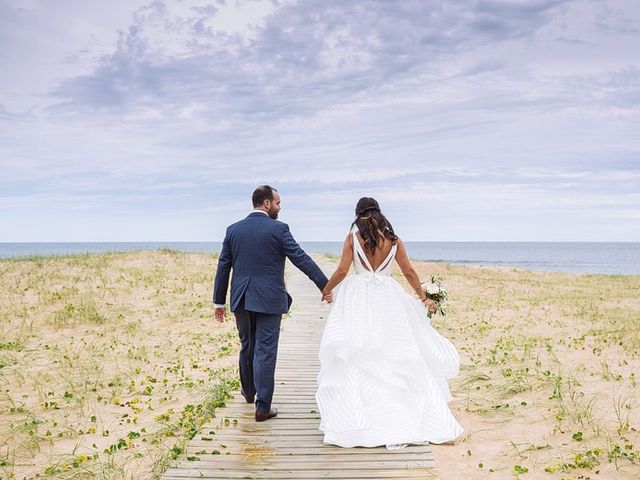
x,y
259,211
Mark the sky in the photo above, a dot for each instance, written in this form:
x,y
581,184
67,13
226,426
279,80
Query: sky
x,y
469,120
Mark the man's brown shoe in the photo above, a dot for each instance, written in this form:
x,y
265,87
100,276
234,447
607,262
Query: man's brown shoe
x,y
261,415
249,399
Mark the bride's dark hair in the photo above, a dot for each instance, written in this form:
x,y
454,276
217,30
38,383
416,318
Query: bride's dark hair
x,y
373,225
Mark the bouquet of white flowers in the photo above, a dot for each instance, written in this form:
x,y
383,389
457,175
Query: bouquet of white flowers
x,y
435,291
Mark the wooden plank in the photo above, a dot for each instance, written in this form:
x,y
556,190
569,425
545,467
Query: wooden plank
x,y
279,465
302,475
300,424
331,457
281,415
302,451
242,445
248,429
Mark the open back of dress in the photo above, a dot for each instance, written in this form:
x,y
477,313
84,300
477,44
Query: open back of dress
x,y
362,264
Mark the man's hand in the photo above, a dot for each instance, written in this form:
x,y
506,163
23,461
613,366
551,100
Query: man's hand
x,y
220,314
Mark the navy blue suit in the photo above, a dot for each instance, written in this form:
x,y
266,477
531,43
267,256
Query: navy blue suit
x,y
256,248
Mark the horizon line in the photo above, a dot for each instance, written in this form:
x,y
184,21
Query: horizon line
x,y
314,241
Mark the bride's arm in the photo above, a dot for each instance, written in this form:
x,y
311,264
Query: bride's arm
x,y
408,271
343,267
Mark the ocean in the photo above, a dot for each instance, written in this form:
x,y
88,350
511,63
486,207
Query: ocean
x,y
577,257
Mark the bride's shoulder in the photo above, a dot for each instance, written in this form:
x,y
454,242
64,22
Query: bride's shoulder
x,y
349,238
398,242
401,250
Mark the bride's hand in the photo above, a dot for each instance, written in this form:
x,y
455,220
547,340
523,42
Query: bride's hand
x,y
430,304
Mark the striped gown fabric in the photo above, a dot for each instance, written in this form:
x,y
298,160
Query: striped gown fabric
x,y
383,367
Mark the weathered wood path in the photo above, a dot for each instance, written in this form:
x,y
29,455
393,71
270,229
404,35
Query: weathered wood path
x,y
290,446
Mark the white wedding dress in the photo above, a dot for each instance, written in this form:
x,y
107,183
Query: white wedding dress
x,y
383,367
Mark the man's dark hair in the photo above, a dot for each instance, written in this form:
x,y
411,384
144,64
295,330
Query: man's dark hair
x,y
262,193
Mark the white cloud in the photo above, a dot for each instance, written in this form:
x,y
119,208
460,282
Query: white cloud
x,y
158,108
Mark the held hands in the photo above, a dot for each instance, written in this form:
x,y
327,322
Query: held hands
x,y
220,314
327,296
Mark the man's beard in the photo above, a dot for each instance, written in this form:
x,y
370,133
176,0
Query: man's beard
x,y
273,214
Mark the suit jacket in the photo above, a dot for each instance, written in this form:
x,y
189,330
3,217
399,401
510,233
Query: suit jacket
x,y
256,249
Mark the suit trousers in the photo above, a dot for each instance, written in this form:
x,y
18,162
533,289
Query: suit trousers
x,y
259,334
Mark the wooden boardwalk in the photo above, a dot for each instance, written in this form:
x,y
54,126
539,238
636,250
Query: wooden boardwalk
x,y
290,446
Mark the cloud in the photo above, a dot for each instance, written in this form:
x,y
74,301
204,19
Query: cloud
x,y
165,108
301,58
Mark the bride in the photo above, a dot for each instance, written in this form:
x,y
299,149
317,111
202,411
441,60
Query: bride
x,y
383,367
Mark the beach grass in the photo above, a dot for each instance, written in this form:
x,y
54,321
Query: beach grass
x,y
548,382
109,363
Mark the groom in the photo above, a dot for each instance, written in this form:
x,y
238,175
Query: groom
x,y
256,249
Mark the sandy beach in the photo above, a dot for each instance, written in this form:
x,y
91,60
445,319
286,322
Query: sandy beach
x,y
109,363
548,381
